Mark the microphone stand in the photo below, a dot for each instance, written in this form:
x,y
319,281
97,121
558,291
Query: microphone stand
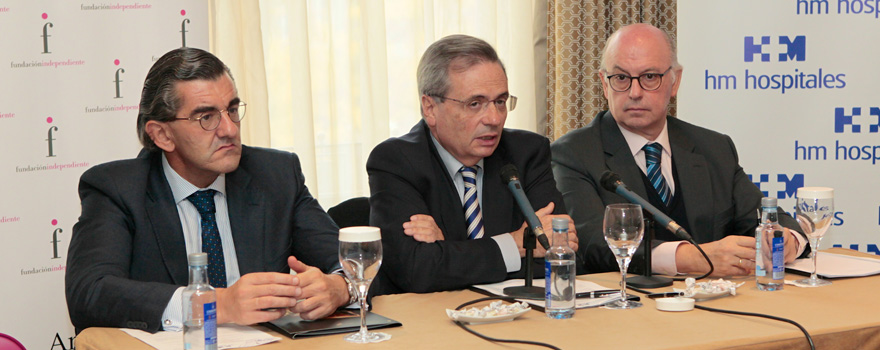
x,y
530,242
648,280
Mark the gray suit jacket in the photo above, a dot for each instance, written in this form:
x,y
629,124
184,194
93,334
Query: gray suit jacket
x,y
127,254
720,199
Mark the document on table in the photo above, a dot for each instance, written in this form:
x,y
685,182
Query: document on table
x,y
830,265
580,286
228,337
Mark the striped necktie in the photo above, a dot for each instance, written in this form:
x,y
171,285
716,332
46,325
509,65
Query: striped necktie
x,y
471,203
653,154
211,244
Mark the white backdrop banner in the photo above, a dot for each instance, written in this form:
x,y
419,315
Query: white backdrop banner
x,y
71,74
795,84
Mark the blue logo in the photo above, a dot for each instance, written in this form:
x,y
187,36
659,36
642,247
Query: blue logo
x,y
842,120
795,49
788,184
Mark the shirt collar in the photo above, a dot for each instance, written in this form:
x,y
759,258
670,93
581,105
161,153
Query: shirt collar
x,y
636,141
181,189
452,165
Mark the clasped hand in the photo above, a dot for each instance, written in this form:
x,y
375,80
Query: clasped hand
x,y
731,256
266,296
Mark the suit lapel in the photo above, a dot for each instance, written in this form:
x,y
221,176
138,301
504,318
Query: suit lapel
x,y
451,221
246,220
692,171
497,204
165,222
619,158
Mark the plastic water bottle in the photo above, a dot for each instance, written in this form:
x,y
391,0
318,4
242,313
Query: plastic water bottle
x,y
769,248
559,273
199,307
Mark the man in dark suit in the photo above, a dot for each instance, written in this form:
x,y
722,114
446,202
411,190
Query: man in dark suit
x,y
691,173
127,260
447,219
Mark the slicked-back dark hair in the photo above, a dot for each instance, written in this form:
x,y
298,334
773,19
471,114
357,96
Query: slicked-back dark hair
x,y
159,98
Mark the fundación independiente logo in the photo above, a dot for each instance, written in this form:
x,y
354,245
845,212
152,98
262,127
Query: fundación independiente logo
x,y
58,261
52,139
116,92
47,28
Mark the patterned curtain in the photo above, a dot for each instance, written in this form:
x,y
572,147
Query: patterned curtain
x,y
577,30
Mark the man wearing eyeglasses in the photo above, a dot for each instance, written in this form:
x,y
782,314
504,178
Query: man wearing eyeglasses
x,y
447,219
196,188
690,173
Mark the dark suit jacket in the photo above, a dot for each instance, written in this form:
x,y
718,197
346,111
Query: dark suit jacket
x,y
720,199
408,177
127,254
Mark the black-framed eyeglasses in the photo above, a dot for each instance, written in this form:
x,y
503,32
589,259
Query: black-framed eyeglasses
x,y
210,120
648,81
479,104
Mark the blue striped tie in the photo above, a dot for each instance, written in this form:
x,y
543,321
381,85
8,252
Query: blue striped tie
x,y
471,203
653,153
211,244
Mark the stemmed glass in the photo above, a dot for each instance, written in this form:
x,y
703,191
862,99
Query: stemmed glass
x,y
624,229
815,209
360,254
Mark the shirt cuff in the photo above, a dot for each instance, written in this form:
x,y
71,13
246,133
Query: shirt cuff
x,y
663,258
509,251
801,241
172,318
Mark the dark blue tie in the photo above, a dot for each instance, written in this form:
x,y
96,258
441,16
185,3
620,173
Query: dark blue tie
x,y
653,154
211,244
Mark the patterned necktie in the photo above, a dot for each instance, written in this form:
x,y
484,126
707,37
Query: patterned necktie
x,y
211,244
471,203
653,153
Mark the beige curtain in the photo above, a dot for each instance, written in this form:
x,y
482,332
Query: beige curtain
x,y
576,34
329,80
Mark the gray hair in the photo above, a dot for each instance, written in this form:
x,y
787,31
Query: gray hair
x,y
159,98
455,52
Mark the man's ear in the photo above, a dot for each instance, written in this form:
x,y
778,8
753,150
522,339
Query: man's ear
x,y
161,135
429,110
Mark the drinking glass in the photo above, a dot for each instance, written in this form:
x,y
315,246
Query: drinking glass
x,y
624,229
815,210
360,254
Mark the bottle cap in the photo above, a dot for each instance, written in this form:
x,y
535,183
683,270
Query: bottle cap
x,y
359,234
560,224
197,259
768,202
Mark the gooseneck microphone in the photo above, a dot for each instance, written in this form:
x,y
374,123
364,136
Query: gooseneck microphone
x,y
611,181
510,176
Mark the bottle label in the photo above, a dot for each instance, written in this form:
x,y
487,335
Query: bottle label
x,y
548,281
759,259
210,323
778,257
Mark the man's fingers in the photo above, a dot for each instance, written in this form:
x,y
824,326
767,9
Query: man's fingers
x,y
546,210
297,265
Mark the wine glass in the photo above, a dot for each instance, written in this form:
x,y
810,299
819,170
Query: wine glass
x,y
360,254
815,209
624,229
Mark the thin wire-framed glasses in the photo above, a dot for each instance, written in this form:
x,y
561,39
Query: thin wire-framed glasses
x,y
210,120
648,81
479,104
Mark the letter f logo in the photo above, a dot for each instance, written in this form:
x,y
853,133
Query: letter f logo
x,y
49,139
46,36
120,70
183,32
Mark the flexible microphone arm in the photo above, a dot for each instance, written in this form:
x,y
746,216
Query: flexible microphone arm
x,y
510,176
611,182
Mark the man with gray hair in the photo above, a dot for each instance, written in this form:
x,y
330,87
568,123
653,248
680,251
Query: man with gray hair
x,y
447,219
195,188
690,173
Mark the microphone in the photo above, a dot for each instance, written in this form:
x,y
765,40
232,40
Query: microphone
x,y
510,176
611,181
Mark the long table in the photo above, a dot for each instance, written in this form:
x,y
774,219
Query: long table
x,y
845,315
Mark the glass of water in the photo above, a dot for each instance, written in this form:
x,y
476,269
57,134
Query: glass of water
x,y
815,210
360,254
624,229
